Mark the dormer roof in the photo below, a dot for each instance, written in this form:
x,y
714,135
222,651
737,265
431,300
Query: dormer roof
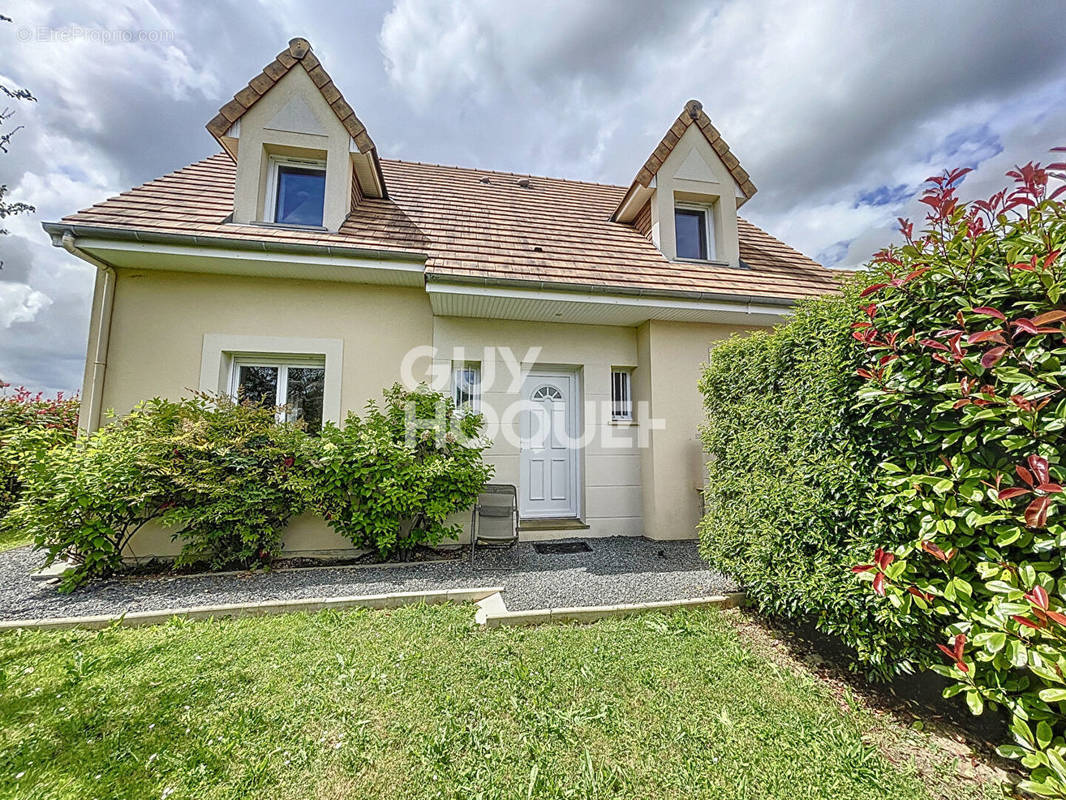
x,y
692,114
224,126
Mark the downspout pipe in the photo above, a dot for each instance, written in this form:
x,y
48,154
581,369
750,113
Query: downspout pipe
x,y
99,335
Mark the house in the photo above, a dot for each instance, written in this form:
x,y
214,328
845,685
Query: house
x,y
300,266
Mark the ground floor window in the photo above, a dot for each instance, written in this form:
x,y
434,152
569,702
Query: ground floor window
x,y
621,395
294,387
467,386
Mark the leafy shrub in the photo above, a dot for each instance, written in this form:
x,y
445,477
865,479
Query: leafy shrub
x,y
389,480
966,371
789,499
87,500
230,471
30,424
227,477
216,470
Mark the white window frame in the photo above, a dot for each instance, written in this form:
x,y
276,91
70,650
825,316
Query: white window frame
x,y
475,402
270,207
220,349
282,362
708,229
622,377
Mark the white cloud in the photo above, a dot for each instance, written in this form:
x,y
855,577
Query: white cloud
x,y
20,302
439,48
831,106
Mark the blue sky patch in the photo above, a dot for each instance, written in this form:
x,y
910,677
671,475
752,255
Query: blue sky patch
x,y
885,196
967,147
834,254
74,173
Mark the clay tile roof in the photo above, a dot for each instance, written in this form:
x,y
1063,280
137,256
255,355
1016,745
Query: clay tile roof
x,y
477,225
298,52
692,114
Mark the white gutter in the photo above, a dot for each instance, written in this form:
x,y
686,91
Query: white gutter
x,y
102,235
225,255
99,335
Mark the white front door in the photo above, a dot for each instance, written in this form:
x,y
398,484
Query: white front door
x,y
548,474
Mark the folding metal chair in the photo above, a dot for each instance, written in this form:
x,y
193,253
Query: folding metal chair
x,y
494,520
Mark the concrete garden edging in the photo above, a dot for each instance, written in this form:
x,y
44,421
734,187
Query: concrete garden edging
x,y
140,618
492,611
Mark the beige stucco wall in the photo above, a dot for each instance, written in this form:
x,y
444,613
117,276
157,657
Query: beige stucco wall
x,y
160,321
671,358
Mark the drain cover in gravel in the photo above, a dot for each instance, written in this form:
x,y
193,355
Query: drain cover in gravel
x,y
560,548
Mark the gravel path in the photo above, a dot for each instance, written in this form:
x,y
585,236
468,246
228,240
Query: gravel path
x,y
618,570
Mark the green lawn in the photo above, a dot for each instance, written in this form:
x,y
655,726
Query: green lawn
x,y
12,539
418,703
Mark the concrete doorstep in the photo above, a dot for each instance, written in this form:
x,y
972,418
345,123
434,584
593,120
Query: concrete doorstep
x,y
138,618
492,611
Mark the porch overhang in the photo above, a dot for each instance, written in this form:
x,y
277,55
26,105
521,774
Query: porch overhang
x,y
536,301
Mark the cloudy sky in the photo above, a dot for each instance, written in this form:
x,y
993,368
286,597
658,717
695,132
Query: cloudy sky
x,y
837,109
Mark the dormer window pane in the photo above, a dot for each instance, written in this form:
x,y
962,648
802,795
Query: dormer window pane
x,y
691,228
301,192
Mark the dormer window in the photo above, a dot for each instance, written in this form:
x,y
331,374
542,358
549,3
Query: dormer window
x,y
296,191
694,231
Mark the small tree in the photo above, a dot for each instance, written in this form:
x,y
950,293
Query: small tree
x,y
87,500
7,207
966,367
230,469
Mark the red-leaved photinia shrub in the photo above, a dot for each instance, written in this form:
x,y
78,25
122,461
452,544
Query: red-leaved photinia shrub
x,y
966,364
30,423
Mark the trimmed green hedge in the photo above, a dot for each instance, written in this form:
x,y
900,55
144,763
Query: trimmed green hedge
x,y
924,462
790,500
965,369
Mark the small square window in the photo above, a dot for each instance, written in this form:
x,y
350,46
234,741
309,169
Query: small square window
x,y
621,394
299,191
467,386
692,233
295,388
